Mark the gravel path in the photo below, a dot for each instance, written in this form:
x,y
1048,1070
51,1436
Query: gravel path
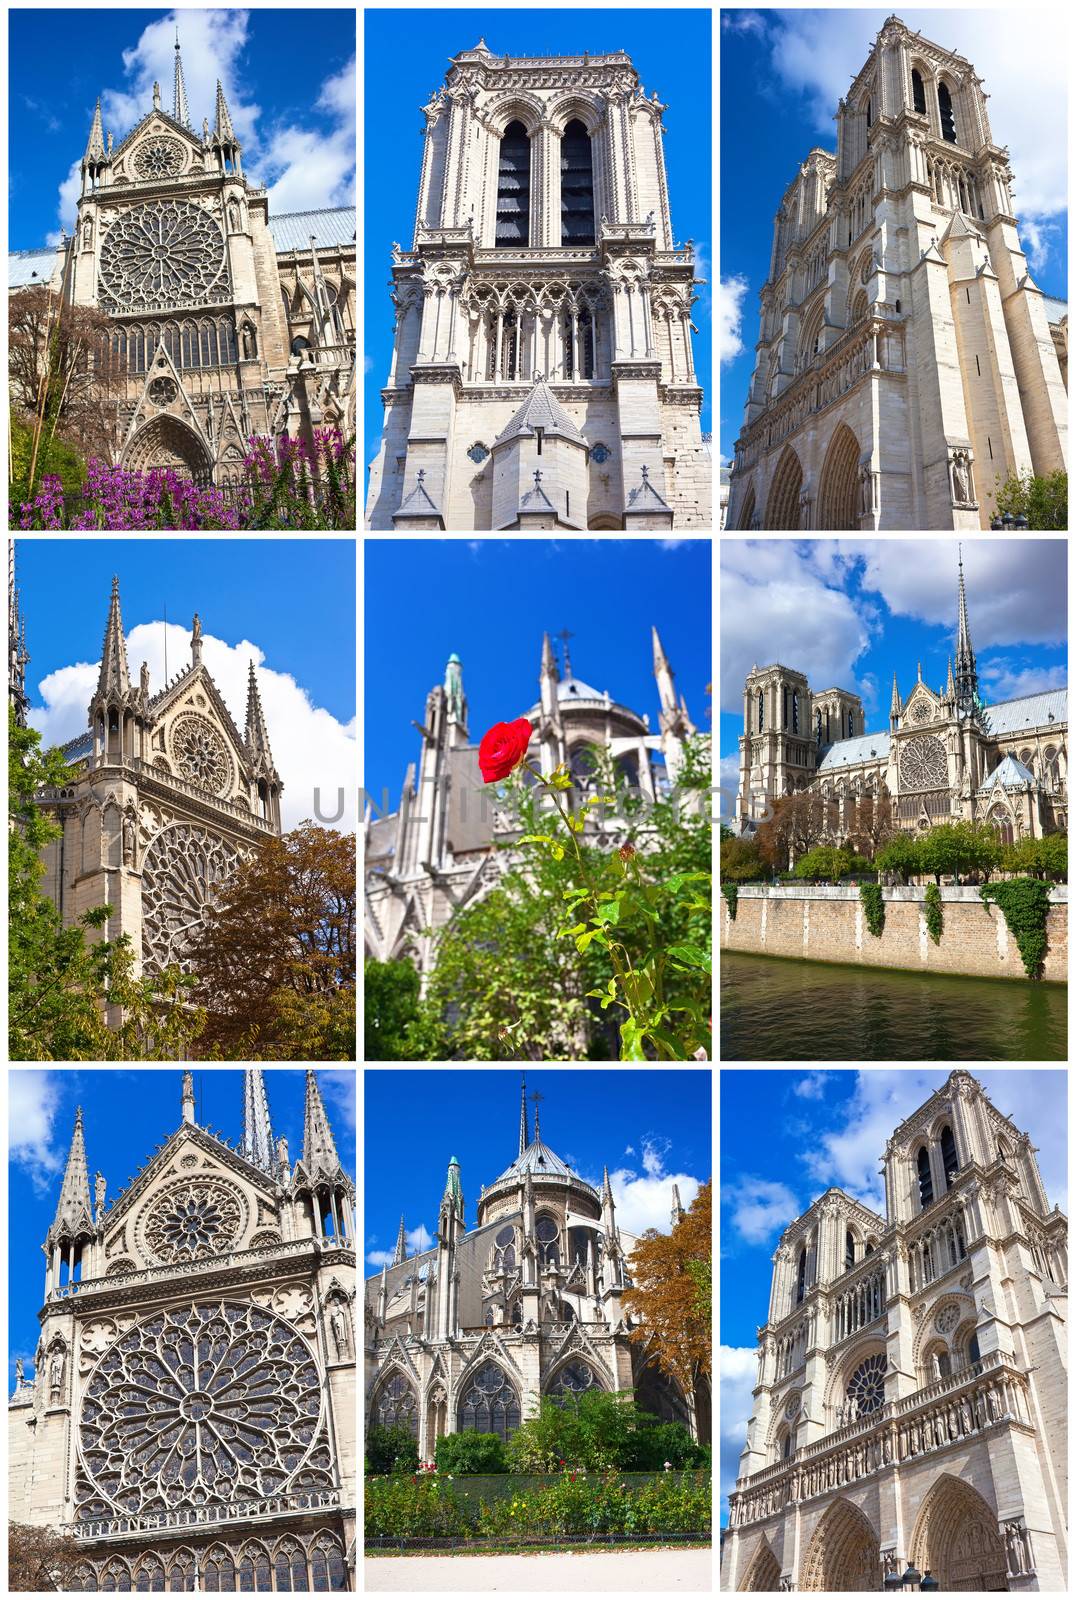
x,y
616,1571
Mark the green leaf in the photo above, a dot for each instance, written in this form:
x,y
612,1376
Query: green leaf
x,y
584,940
631,1035
690,956
608,912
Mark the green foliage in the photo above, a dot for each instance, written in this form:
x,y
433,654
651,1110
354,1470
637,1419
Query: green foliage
x,y
390,1450
825,861
730,892
1047,857
407,1506
741,862
959,848
1043,501
1025,905
901,855
598,1431
935,921
874,908
463,1453
61,978
391,1004
660,1442
54,456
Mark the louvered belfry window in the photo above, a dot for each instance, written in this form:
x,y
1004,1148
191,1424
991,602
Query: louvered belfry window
x,y
512,220
578,226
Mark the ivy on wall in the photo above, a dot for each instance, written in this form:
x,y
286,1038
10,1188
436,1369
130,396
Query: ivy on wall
x,y
730,892
874,907
1025,905
935,921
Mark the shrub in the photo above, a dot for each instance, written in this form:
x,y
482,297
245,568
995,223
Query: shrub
x,y
595,1431
740,861
666,1441
825,861
730,891
1025,905
935,921
460,1453
874,908
391,1450
415,1507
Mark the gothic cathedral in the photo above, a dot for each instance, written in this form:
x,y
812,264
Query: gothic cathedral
x,y
543,370
907,358
528,1302
911,1385
191,1418
227,322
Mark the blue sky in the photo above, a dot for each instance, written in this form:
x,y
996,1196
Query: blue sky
x,y
293,109
827,1128
126,1115
782,73
288,604
492,600
651,1129
850,612
671,51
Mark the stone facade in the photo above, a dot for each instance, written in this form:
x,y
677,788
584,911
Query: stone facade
x,y
944,757
822,923
439,851
220,1284
470,1334
228,322
543,369
906,357
911,1395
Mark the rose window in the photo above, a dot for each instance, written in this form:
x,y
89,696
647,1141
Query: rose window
x,y
203,1406
574,1378
169,253
203,1217
923,764
866,1386
201,754
159,158
162,391
182,872
921,712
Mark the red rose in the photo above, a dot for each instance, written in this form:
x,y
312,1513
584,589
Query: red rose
x,y
503,748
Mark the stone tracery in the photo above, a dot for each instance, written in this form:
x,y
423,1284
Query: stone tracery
x,y
165,254
182,871
200,1217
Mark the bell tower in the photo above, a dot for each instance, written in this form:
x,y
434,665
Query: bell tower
x,y
776,750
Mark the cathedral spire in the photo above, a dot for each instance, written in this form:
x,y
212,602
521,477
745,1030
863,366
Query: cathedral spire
x,y
967,681
455,689
895,708
453,1191
523,1130
73,1214
401,1248
665,678
223,127
950,686
677,1211
320,1152
113,677
255,734
187,1099
181,113
257,1143
95,145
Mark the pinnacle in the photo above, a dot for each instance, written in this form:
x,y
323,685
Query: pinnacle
x,y
223,127
95,145
73,1212
320,1152
257,1144
113,677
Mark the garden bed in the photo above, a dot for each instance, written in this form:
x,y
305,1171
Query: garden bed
x,y
569,1541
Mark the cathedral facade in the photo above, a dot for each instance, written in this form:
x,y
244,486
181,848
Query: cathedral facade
x,y
191,1417
438,853
946,756
910,1403
164,799
543,369
906,357
527,1302
227,321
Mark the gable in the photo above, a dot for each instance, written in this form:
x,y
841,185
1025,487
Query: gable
x,y
194,738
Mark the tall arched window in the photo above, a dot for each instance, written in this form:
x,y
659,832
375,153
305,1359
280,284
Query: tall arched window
x,y
849,1249
512,218
801,1292
948,1155
948,126
547,1237
396,1405
973,1349
794,710
489,1403
819,724
761,711
926,1183
851,724
918,92
578,227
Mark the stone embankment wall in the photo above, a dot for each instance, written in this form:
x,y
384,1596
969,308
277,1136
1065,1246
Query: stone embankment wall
x,y
829,924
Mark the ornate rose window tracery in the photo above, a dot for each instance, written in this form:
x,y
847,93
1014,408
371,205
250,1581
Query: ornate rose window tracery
x,y
198,1407
923,764
161,157
200,1217
866,1386
200,753
182,872
166,254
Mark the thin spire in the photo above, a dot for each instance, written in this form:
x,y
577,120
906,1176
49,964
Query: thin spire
x,y
320,1152
401,1248
523,1130
536,1099
950,686
453,1191
180,105
255,734
113,678
187,1099
73,1214
95,145
659,658
677,1212
895,708
223,127
967,680
257,1143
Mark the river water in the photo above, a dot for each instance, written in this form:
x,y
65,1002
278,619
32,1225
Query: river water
x,y
773,1009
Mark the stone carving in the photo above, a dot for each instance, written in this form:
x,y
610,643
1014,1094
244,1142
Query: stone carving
x,y
181,872
160,157
792,1408
340,1333
923,763
162,391
200,753
167,254
57,1369
946,1319
960,471
196,1218
99,1196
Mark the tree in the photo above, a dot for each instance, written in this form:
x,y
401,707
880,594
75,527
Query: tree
x,y
62,376
1043,501
1047,857
740,861
900,854
275,965
873,823
390,1449
959,848
41,1561
672,1294
391,1003
62,979
797,824
826,861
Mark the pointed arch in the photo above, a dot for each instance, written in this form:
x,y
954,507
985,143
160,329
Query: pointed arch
x,y
843,1555
956,1538
763,1571
167,441
488,1401
573,1374
838,498
782,510
749,507
394,1402
512,206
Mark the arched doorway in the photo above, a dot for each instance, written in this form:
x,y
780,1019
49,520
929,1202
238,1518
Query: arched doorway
x,y
746,516
782,511
838,502
956,1538
165,441
763,1573
843,1556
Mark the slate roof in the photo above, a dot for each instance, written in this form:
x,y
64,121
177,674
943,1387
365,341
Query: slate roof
x,y
852,752
1008,772
292,230
539,1159
1056,310
540,410
30,266
1029,711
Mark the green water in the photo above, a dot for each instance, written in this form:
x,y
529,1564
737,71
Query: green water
x,y
772,1009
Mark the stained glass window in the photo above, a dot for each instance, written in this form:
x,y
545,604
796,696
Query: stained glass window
x,y
547,1237
396,1404
866,1386
489,1403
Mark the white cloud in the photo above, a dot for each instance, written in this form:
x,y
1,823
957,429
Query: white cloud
x,y
1016,588
730,293
729,785
643,1199
305,167
812,1087
339,1089
742,22
417,1240
1038,237
33,1099
1004,681
760,1208
736,1370
313,750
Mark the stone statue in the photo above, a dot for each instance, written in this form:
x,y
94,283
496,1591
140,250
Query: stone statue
x,y
56,1375
1014,1544
339,1328
99,1195
960,481
127,838
144,681
18,1372
234,216
196,628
